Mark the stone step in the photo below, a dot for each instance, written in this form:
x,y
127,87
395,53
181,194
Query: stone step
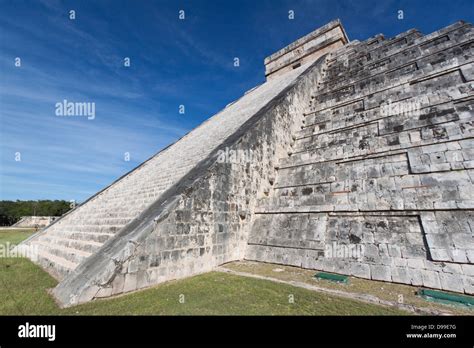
x,y
406,74
97,228
373,206
394,164
136,189
357,114
88,246
116,210
441,190
349,145
367,102
395,44
380,64
138,197
102,228
452,31
128,201
129,208
274,209
105,221
70,254
382,127
90,219
362,59
61,264
89,236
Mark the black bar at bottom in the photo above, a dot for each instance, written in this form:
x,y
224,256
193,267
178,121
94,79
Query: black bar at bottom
x,y
161,330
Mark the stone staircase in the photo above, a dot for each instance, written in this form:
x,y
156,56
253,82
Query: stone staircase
x,y
71,240
363,172
68,242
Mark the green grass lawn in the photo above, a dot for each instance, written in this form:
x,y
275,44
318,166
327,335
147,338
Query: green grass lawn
x,y
14,236
23,290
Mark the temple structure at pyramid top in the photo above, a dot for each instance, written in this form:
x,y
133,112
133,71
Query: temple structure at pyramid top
x,y
306,49
355,158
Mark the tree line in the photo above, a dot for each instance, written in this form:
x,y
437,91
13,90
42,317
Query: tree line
x,y
12,211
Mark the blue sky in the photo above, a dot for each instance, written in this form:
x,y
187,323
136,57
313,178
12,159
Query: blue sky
x,y
173,62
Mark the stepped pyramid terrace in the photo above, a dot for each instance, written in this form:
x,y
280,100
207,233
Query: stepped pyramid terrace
x,y
354,157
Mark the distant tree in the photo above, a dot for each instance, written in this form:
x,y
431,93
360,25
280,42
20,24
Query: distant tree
x,y
12,211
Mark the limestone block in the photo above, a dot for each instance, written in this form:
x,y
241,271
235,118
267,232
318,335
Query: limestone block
x,y
434,266
415,263
413,251
421,168
415,275
394,251
117,283
130,283
462,240
367,237
383,249
453,155
430,279
342,265
467,143
371,250
466,204
398,204
414,239
143,280
468,154
400,275
453,146
457,166
328,264
452,268
380,272
468,283
311,262
385,260
434,148
466,192
450,282
359,269
89,293
441,254
133,265
415,137
439,167
104,292
468,164
470,255
459,255
399,262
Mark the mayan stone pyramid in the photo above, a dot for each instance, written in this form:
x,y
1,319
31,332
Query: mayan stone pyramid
x,y
364,146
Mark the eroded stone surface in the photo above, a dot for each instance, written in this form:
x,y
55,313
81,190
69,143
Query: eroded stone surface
x,y
395,180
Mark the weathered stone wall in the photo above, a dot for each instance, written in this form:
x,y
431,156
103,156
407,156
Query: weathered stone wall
x,y
384,162
206,221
